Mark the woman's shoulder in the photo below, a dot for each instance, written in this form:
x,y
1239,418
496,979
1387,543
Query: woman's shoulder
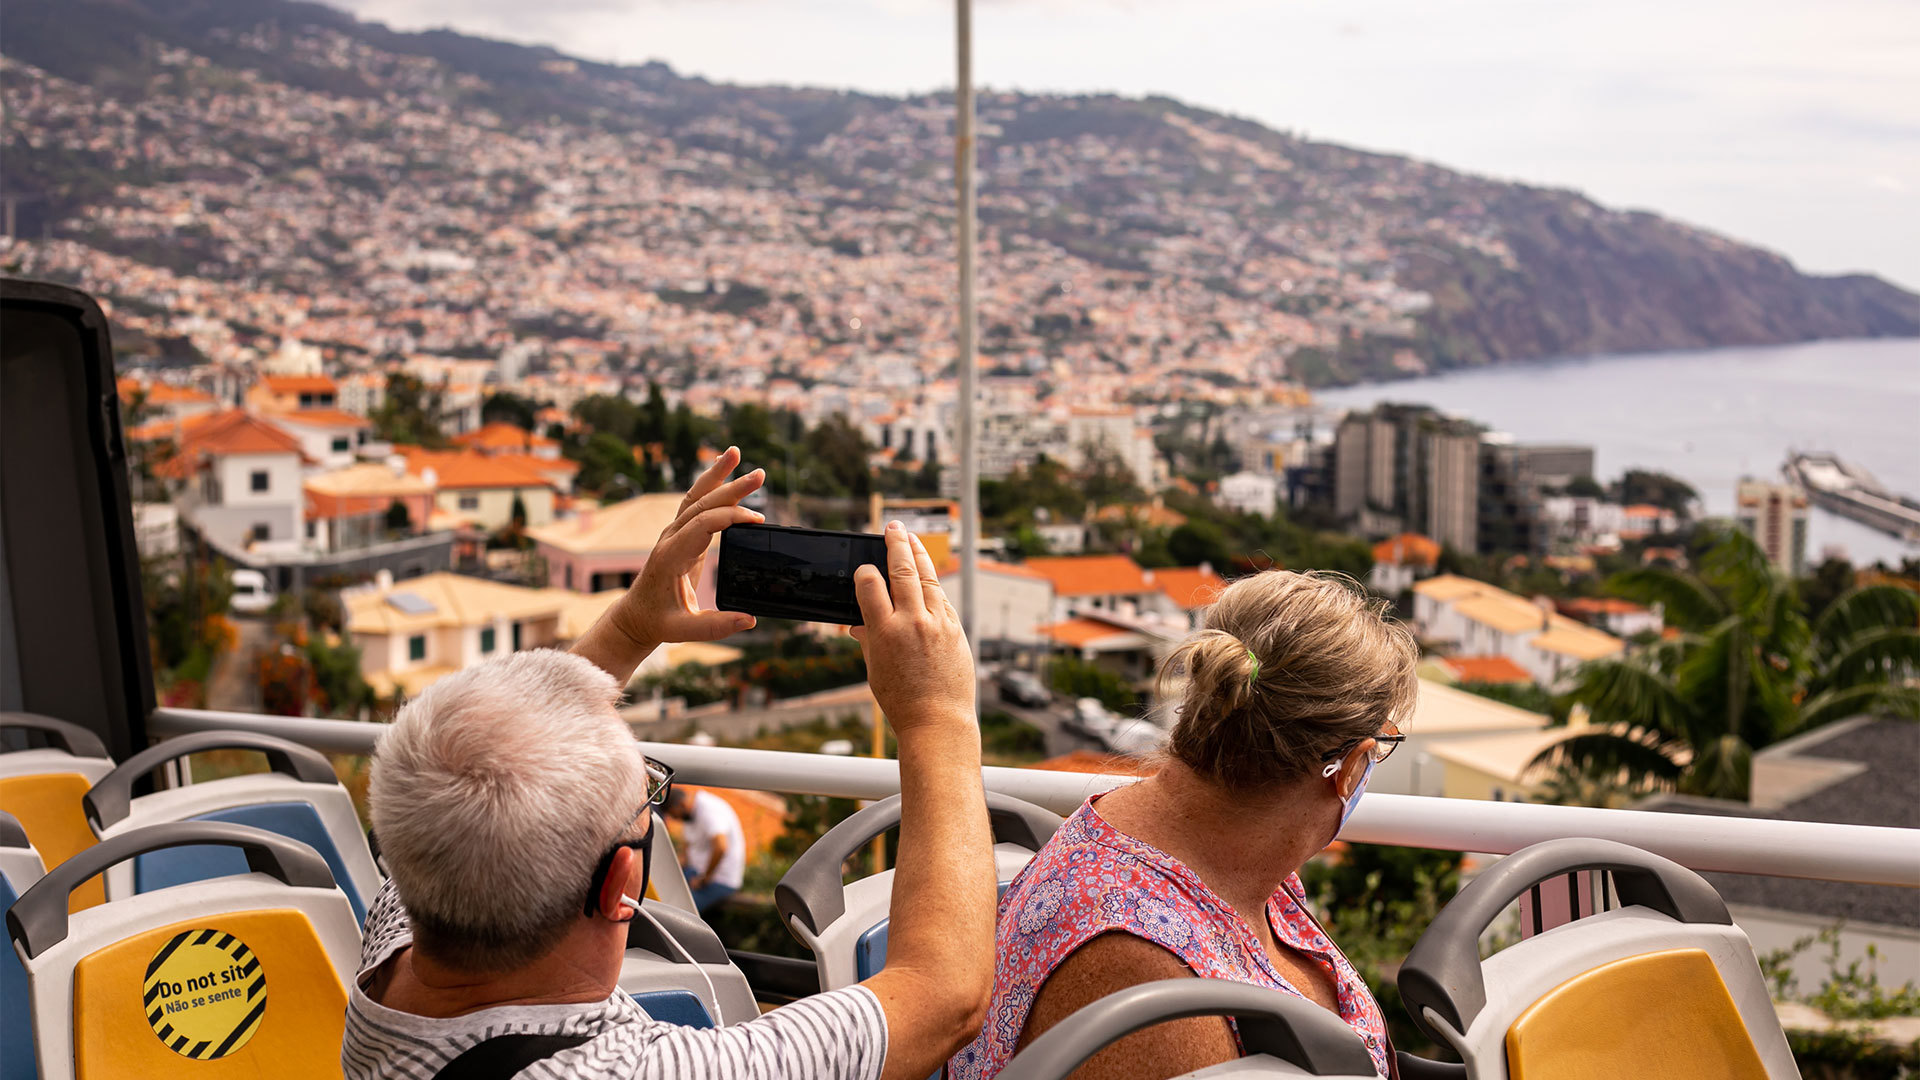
x,y
1091,878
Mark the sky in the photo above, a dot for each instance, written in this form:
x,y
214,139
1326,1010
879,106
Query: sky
x,y
1782,123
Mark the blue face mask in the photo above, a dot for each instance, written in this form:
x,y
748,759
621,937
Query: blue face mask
x,y
1359,789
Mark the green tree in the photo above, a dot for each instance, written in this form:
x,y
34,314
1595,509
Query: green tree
x,y
608,414
1656,489
604,459
1199,541
507,407
651,426
1747,670
410,412
837,453
683,446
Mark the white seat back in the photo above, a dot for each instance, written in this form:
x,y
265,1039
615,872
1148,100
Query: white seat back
x,y
845,926
299,798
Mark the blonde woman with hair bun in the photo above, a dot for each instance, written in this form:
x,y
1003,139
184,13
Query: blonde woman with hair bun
x,y
1297,686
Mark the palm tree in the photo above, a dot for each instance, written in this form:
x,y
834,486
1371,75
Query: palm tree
x,y
1746,670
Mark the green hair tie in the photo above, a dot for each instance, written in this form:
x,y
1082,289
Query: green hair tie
x,y
1254,675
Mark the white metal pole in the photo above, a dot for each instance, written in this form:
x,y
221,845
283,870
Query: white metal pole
x,y
963,177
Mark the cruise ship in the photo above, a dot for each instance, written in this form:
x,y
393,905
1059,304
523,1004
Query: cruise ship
x,y
1852,492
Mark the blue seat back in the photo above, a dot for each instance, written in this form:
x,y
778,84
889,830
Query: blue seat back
x,y
675,1007
16,1016
870,948
870,951
293,820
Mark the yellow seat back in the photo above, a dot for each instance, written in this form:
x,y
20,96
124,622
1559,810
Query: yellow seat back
x,y
1657,1016
243,994
48,808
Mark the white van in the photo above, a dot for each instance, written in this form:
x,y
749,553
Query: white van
x,y
250,592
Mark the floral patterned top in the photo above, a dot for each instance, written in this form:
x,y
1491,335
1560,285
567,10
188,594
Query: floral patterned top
x,y
1092,879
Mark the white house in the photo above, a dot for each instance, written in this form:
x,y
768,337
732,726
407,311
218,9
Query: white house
x,y
1250,493
1472,618
237,478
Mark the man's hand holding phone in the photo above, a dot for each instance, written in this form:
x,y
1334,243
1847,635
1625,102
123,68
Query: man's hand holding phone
x,y
918,662
662,605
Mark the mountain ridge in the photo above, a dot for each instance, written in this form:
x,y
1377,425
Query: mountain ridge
x,y
1354,264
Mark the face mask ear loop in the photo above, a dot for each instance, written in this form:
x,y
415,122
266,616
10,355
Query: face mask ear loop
x,y
1332,767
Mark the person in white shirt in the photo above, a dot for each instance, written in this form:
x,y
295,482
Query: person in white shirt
x,y
714,849
512,805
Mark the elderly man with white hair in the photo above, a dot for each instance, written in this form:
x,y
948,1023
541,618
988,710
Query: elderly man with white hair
x,y
512,805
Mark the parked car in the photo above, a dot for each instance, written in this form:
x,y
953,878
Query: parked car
x,y
250,592
1090,718
1023,688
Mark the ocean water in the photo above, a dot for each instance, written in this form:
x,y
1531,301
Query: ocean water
x,y
1707,416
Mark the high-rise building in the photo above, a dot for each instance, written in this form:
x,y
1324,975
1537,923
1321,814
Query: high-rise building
x,y
1775,515
1409,467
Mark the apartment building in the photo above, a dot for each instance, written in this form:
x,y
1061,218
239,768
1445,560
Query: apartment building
x,y
1775,515
481,489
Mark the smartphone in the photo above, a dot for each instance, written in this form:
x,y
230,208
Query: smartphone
x,y
787,572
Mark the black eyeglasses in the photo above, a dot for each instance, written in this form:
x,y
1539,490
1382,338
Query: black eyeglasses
x,y
1384,744
659,785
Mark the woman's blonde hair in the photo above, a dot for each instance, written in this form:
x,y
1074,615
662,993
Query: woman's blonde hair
x,y
1290,670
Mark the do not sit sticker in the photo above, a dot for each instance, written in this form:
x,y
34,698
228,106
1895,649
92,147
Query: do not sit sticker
x,y
205,994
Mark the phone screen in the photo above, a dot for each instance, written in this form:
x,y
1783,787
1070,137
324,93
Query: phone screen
x,y
793,573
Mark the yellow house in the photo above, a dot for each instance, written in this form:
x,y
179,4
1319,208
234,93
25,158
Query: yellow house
x,y
412,632
480,489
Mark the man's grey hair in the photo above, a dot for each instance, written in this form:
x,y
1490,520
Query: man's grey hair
x,y
494,795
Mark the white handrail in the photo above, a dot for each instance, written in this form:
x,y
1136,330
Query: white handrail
x,y
1866,854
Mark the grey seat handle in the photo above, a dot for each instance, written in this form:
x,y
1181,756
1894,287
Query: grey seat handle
x,y
659,928
1443,973
38,920
811,890
1271,1022
70,737
110,799
12,835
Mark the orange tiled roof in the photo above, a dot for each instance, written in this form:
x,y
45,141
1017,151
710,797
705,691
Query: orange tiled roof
x,y
1081,632
472,469
163,393
299,384
500,435
543,465
333,418
321,504
1152,515
234,431
1642,510
1407,549
1190,586
1091,575
1599,605
1486,669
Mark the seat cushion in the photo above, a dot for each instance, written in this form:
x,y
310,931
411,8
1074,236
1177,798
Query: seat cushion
x,y
249,993
48,806
675,1007
1657,1016
199,862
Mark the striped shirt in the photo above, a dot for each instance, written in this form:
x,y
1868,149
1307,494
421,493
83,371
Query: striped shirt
x,y
836,1036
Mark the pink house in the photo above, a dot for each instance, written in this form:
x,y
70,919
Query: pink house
x,y
604,547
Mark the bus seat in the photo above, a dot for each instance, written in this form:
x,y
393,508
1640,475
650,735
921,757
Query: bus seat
x,y
1280,1034
19,868
677,969
300,798
846,926
241,975
670,889
1662,987
42,789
